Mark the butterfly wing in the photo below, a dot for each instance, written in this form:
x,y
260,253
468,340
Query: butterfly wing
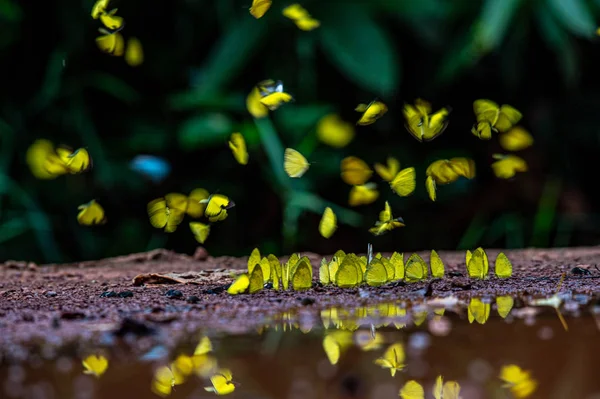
x,y
239,285
412,390
256,280
486,110
516,139
437,266
376,274
328,223
431,187
405,182
200,231
259,8
237,144
355,171
302,278
294,163
503,267
507,118
504,305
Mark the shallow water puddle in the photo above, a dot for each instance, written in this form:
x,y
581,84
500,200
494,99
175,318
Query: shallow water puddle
x,y
333,353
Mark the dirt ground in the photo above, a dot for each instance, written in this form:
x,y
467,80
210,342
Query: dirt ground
x,y
44,307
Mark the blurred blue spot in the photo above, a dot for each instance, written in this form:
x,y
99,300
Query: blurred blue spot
x,y
156,168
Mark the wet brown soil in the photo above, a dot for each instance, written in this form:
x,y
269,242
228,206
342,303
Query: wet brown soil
x,y
54,306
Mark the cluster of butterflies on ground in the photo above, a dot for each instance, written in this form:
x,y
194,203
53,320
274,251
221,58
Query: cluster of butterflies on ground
x,y
201,363
111,41
349,270
422,123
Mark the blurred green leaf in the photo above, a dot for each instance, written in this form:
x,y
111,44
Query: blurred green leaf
x,y
10,11
52,82
574,15
298,120
110,85
147,137
493,23
13,228
363,51
558,39
228,57
204,130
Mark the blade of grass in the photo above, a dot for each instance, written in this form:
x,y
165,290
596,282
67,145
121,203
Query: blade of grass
x,y
546,213
13,228
514,231
274,149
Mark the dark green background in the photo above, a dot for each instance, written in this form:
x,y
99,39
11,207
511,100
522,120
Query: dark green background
x,y
202,58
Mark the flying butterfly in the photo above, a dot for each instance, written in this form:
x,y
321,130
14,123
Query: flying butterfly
x,y
446,390
371,112
294,163
334,131
491,117
161,216
217,206
421,123
134,52
507,166
363,194
200,231
91,214
301,17
388,171
237,144
516,139
254,106
259,8
386,221
355,171
272,94
404,182
111,43
76,161
328,223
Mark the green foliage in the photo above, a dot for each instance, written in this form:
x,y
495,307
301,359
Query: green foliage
x,y
203,58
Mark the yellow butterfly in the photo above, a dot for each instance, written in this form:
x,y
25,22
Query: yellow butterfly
x,y
415,269
421,123
349,273
368,341
519,381
447,390
437,266
301,17
371,112
404,182
272,94
502,266
294,163
328,223
163,381
504,305
363,194
412,390
256,280
259,8
95,365
389,268
335,343
334,132
240,285
376,274
200,231
161,216
507,166
76,161
134,52
91,214
111,43
516,139
446,171
217,206
204,346
386,221
111,20
397,260
181,368
491,117
276,272
324,277
253,259
478,311
222,383
393,358
99,8
43,161
355,171
477,264
302,277
390,170
195,205
237,144
265,265
254,106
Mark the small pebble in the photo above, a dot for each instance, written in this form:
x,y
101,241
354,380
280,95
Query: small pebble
x,y
193,299
174,294
216,290
306,301
126,294
108,294
268,286
50,294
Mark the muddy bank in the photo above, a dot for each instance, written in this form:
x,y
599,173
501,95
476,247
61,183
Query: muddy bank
x,y
83,302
